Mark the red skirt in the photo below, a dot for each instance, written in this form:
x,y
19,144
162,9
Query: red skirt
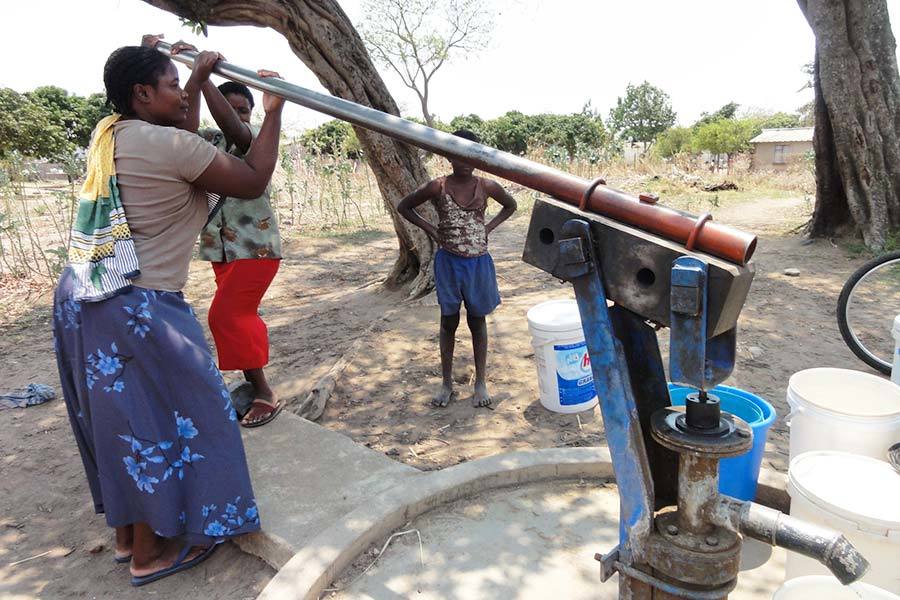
x,y
241,336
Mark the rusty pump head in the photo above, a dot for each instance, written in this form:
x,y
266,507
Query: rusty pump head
x,y
680,538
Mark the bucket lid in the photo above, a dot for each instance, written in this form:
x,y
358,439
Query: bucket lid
x,y
826,586
846,392
858,488
555,315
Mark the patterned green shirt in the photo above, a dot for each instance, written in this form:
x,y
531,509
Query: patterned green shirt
x,y
240,228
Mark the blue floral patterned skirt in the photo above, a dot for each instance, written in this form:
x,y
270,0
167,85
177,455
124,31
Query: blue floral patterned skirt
x,y
152,417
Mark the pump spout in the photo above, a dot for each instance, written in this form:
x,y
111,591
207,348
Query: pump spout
x,y
768,525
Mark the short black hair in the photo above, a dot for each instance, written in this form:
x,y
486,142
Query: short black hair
x,y
467,135
233,87
129,66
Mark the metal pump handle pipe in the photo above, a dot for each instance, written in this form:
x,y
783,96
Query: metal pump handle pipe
x,y
775,528
699,234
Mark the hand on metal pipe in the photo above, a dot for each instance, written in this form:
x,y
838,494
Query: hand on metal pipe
x,y
203,63
150,40
181,46
271,102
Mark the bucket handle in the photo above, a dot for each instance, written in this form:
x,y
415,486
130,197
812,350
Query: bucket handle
x,y
795,410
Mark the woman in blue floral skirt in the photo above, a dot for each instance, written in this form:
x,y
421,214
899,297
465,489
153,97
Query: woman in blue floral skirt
x,y
150,412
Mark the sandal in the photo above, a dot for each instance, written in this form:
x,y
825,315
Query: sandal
x,y
180,565
276,410
122,559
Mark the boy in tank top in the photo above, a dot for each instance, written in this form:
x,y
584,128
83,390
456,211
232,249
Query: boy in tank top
x,y
463,269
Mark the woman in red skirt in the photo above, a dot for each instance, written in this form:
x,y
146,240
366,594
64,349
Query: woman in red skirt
x,y
242,242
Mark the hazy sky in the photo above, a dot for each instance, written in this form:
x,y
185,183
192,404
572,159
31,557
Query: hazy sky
x,y
546,55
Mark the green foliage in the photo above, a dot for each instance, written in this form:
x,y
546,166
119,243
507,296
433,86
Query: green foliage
x,y
672,141
725,136
334,138
778,120
806,114
578,134
197,27
510,132
76,114
47,122
473,123
572,132
758,121
728,111
93,108
28,128
642,114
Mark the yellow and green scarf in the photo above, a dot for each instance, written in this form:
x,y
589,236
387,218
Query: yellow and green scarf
x,y
101,253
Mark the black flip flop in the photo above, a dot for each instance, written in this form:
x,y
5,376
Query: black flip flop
x,y
276,410
180,565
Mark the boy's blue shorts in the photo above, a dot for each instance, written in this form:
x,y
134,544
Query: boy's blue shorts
x,y
472,280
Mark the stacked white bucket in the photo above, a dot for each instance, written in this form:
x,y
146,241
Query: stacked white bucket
x,y
564,367
842,424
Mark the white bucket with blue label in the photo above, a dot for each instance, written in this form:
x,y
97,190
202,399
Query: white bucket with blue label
x,y
564,368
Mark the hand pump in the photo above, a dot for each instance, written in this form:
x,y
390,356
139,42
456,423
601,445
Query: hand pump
x,y
679,537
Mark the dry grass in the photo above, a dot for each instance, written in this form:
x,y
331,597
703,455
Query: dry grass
x,y
324,196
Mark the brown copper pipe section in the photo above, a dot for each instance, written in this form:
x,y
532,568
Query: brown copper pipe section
x,y
712,238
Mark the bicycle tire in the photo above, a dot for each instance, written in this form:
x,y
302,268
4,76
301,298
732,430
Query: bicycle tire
x,y
844,299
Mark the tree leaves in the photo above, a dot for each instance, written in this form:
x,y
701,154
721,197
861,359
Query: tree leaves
x,y
47,122
642,114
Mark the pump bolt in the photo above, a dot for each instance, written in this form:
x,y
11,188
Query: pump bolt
x,y
743,433
672,529
712,540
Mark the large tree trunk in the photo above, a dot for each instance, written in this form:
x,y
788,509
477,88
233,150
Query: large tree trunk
x,y
857,124
322,36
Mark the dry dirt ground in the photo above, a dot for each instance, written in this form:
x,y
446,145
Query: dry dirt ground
x,y
323,300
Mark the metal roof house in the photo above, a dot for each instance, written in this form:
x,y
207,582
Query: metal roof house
x,y
775,148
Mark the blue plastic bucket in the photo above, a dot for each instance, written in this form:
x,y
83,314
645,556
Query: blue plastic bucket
x,y
738,475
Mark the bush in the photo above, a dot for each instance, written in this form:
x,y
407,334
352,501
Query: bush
x,y
509,132
473,123
780,120
334,138
574,132
578,134
673,141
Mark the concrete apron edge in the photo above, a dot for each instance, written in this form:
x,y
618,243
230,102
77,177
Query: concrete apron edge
x,y
308,572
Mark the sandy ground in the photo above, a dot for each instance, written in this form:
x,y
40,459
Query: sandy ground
x,y
323,300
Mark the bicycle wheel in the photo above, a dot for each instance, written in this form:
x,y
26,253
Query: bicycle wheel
x,y
875,284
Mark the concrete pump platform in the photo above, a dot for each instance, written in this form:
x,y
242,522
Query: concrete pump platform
x,y
523,525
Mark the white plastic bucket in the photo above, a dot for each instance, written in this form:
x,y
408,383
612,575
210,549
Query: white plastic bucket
x,y
895,370
840,409
563,365
856,495
820,587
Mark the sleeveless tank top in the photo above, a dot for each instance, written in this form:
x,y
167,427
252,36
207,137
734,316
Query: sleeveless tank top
x,y
461,226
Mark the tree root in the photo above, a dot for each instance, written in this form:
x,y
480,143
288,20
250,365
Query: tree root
x,y
313,406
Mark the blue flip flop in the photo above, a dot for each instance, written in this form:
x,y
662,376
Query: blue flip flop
x,y
180,565
122,559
